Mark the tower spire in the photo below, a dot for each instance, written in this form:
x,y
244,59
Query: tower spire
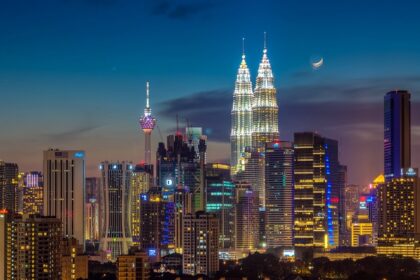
x,y
243,47
147,95
265,42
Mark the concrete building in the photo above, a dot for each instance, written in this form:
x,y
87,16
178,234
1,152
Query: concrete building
x,y
64,190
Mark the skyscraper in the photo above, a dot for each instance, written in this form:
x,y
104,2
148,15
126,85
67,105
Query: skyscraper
x,y
319,181
397,133
64,190
240,135
279,194
221,201
246,218
201,238
116,223
8,185
265,118
399,197
147,124
141,182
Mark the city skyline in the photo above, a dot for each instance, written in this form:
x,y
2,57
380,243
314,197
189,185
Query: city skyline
x,y
73,92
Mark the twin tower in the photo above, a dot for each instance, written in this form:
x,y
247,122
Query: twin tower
x,y
254,112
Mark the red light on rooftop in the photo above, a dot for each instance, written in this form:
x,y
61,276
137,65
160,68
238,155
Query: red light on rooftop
x,y
335,200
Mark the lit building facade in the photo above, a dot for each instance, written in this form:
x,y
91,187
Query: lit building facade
x,y
141,181
279,194
33,192
92,209
64,190
147,124
265,111
134,266
157,225
74,264
116,223
201,239
241,117
30,247
319,184
254,174
247,235
8,185
220,201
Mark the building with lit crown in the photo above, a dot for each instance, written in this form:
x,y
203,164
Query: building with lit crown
x,y
241,117
265,111
115,196
33,191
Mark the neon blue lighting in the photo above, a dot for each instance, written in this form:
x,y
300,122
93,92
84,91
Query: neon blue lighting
x,y
152,252
79,154
328,200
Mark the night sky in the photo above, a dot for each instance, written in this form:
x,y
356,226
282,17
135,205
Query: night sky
x,y
73,73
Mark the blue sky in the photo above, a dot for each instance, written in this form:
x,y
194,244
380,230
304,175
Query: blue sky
x,y
73,73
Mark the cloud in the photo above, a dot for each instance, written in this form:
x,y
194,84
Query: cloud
x,y
351,112
181,11
74,133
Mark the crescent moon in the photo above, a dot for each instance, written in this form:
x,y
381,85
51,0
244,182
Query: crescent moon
x,y
318,64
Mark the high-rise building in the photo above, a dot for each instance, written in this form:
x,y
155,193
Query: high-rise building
x,y
397,133
116,223
8,185
30,247
241,130
319,183
254,174
200,249
92,209
246,218
64,190
141,182
194,134
157,228
265,111
177,166
33,191
279,194
134,266
74,264
147,124
221,200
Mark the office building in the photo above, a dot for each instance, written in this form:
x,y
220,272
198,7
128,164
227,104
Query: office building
x,y
8,185
397,133
279,194
241,117
221,200
115,197
319,185
246,218
201,239
33,191
64,190
254,174
141,182
157,225
147,124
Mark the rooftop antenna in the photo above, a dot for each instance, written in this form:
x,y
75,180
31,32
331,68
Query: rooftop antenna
x,y
243,46
147,95
265,40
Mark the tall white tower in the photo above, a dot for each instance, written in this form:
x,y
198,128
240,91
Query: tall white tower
x,y
147,124
240,136
265,111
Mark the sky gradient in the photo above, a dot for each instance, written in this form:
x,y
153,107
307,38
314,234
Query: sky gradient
x,y
73,73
